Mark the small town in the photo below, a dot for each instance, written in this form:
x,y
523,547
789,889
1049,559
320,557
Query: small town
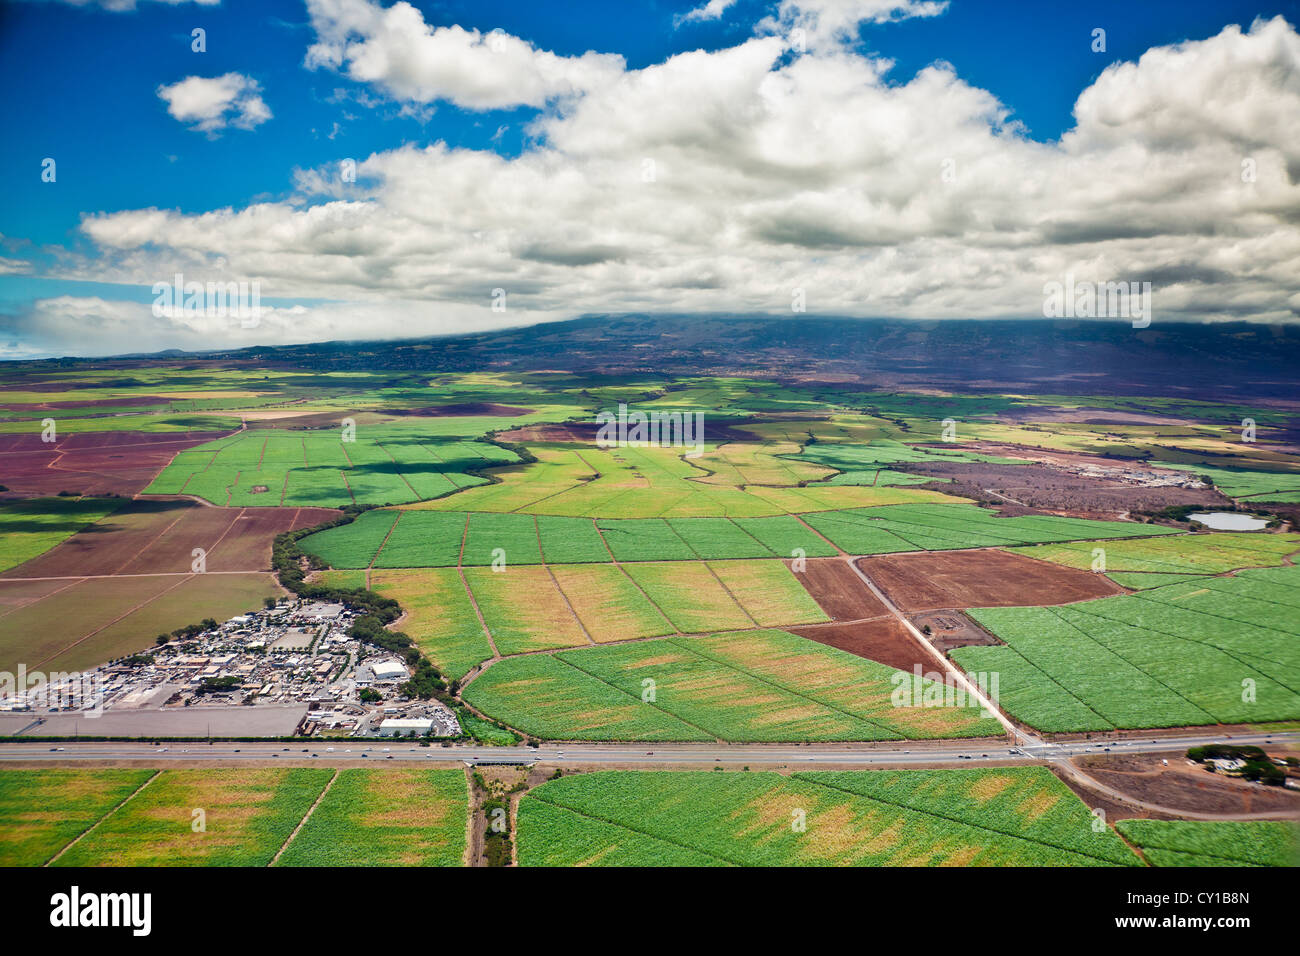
x,y
294,658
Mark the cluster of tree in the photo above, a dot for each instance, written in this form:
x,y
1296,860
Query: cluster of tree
x,y
1257,766
291,565
217,685
188,631
426,682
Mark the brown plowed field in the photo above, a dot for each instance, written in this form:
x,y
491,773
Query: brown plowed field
x,y
247,542
883,639
159,536
961,579
91,463
1184,786
839,592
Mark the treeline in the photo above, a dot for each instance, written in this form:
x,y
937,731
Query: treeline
x,y
376,612
188,631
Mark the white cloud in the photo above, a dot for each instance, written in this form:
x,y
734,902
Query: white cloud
x,y
91,325
394,49
830,21
713,10
210,104
724,181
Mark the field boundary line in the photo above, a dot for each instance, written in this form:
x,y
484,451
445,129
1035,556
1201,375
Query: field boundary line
x,y
619,564
1235,655
798,775
347,484
627,693
150,543
379,550
442,461
91,829
950,666
794,693
1065,690
143,604
418,496
734,600
1290,607
230,488
305,817
678,535
732,522
101,577
1143,595
469,592
556,581
1140,670
19,607
799,518
229,528
631,829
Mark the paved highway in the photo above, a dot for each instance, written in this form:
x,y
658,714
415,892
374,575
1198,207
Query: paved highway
x,y
648,755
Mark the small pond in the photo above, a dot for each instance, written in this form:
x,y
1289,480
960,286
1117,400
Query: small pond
x,y
1228,521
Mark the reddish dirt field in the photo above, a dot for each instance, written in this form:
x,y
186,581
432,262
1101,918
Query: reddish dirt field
x,y
883,639
159,536
246,544
949,629
961,579
91,463
1185,786
839,592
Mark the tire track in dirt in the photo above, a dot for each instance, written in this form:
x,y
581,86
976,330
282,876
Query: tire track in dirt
x,y
143,604
734,600
380,550
460,570
149,544
618,564
555,581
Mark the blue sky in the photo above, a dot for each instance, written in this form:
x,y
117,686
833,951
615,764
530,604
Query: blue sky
x,y
88,79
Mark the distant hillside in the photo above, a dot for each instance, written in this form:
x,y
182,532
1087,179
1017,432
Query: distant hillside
x,y
1223,361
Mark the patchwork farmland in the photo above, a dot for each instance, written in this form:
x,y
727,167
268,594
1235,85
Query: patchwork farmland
x,y
1013,817
780,590
408,816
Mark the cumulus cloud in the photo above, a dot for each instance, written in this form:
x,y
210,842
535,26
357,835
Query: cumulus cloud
x,y
397,51
94,326
713,10
728,181
831,21
210,104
